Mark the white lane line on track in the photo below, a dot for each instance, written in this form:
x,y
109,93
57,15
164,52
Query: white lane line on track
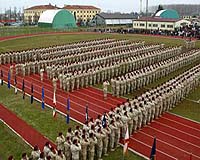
x,y
168,134
181,124
151,147
171,145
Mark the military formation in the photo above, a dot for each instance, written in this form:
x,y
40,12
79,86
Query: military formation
x,y
137,79
98,137
123,65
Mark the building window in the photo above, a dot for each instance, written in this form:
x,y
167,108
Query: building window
x,y
141,24
169,26
77,11
155,25
149,25
162,25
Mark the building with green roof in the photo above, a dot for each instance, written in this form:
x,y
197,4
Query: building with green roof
x,y
57,19
168,13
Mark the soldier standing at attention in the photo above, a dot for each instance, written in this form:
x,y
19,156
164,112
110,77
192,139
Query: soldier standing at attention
x,y
105,89
75,149
54,84
41,74
60,141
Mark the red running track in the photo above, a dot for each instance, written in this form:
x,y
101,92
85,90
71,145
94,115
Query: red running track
x,y
29,134
177,137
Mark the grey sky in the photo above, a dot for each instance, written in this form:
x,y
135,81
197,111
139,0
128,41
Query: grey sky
x,y
105,5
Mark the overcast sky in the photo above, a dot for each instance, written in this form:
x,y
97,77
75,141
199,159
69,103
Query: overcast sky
x,y
105,5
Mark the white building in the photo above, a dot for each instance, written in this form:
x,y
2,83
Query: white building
x,y
157,23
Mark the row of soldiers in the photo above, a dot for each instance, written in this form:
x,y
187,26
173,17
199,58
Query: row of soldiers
x,y
35,54
95,75
131,81
190,44
94,60
68,61
98,137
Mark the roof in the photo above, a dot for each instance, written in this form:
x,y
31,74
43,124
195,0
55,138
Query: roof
x,y
49,6
79,7
117,16
48,16
157,19
168,13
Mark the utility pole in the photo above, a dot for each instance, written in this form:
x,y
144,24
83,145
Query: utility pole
x,y
140,6
146,13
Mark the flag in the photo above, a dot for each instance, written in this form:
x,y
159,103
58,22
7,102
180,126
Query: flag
x,y
104,121
32,89
153,150
54,98
86,114
43,105
54,102
15,84
126,141
54,112
68,111
8,80
1,77
23,89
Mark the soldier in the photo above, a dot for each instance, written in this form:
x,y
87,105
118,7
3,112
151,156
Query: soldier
x,y
11,71
84,145
125,121
60,156
113,129
113,86
60,77
105,89
41,74
117,87
72,79
75,149
107,132
46,149
67,148
119,125
54,84
35,154
60,141
100,137
93,142
24,156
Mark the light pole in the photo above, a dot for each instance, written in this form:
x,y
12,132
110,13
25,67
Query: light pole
x,y
146,13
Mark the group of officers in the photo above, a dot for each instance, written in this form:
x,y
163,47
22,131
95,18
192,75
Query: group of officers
x,y
97,137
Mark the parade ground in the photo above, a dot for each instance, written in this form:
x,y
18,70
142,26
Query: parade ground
x,y
24,125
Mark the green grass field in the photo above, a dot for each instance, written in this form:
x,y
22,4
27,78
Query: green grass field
x,y
44,41
34,115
